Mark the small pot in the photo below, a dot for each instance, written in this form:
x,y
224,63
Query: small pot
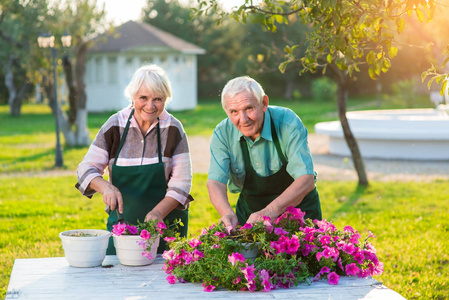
x,y
85,248
129,250
250,250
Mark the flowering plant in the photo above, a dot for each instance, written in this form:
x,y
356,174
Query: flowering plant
x,y
291,250
149,231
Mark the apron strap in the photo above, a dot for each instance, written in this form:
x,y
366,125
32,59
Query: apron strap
x,y
125,133
159,151
276,141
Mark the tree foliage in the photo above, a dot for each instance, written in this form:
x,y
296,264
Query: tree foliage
x,y
344,32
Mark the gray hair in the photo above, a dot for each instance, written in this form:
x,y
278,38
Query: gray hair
x,y
154,78
242,84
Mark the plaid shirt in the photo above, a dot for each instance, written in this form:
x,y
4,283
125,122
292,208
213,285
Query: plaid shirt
x,y
140,150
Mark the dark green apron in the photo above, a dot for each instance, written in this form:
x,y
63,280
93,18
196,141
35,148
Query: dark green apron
x,y
142,188
259,191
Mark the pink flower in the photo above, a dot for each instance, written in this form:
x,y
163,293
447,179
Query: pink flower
x,y
246,226
325,240
324,270
348,229
169,239
197,254
118,229
168,255
220,234
237,280
279,231
249,272
145,234
208,288
355,238
147,254
352,269
333,278
267,286
215,246
171,279
194,243
132,229
235,257
160,227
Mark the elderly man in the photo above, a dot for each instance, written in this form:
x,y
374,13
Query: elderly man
x,y
261,152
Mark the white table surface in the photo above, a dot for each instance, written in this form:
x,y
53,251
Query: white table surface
x,y
53,278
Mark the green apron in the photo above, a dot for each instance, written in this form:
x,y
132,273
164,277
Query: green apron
x,y
259,191
142,188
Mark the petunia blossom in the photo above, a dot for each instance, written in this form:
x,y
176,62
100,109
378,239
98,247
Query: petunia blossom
x,y
235,257
132,229
194,243
118,229
171,279
333,278
208,288
145,234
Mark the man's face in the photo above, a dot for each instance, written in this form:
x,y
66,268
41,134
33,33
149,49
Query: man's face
x,y
246,113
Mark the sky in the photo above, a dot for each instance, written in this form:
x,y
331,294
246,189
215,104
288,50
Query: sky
x,y
121,11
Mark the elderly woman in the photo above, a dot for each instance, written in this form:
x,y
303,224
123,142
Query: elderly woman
x,y
146,151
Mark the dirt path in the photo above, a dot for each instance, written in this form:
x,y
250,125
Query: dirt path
x,y
332,167
329,167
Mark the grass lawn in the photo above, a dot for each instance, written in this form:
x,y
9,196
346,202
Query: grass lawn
x,y
409,220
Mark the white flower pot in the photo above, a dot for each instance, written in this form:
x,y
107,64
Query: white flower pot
x,y
85,248
249,251
129,251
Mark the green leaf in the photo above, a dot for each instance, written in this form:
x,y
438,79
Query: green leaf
x,y
329,58
443,87
370,58
372,73
429,84
279,19
400,25
446,60
283,66
419,14
392,52
440,78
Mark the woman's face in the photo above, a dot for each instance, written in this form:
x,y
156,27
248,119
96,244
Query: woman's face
x,y
148,107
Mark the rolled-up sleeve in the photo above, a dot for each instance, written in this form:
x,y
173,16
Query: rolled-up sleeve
x,y
180,179
93,165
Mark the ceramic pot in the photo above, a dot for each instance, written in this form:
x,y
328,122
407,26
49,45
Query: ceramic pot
x,y
85,248
250,250
129,250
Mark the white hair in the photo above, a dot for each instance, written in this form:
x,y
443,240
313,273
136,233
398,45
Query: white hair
x,y
154,78
242,84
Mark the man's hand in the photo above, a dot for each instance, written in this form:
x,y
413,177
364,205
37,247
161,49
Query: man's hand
x,y
229,220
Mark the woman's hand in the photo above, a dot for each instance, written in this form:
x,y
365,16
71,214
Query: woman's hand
x,y
152,215
113,198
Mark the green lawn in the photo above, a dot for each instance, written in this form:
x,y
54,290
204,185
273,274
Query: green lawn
x,y
409,219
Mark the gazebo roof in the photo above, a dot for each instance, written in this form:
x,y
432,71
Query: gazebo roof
x,y
133,35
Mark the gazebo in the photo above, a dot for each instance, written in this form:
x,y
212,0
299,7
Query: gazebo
x,y
114,57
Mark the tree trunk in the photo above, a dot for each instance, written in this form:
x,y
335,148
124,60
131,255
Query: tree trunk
x,y
349,137
82,132
342,97
73,107
9,83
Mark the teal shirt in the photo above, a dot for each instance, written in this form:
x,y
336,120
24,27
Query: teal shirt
x,y
227,165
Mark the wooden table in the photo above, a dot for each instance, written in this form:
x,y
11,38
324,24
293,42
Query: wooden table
x,y
53,278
